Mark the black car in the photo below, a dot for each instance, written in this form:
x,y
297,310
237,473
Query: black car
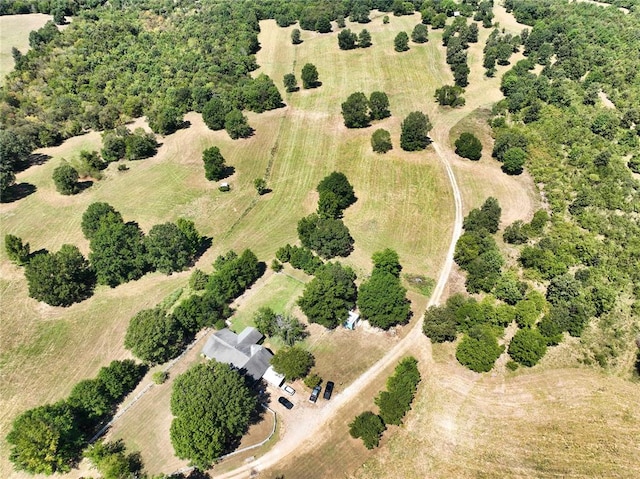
x,y
285,402
328,390
315,393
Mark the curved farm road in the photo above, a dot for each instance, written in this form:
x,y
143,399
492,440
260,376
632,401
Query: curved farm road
x,y
315,419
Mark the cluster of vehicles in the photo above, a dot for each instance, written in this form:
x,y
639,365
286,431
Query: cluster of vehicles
x,y
328,391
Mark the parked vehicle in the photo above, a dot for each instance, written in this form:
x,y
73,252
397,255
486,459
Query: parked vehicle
x,y
314,394
288,389
285,402
328,390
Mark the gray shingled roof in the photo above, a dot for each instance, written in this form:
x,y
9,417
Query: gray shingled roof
x,y
241,351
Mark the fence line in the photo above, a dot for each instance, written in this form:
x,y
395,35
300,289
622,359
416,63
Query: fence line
x,y
138,396
244,449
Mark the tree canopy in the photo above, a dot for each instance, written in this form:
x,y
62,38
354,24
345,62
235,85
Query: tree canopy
x,y
65,178
212,407
381,141
338,184
328,298
169,249
154,336
415,128
379,105
45,440
355,111
369,427
118,252
294,362
468,146
327,236
60,279
309,76
214,166
401,42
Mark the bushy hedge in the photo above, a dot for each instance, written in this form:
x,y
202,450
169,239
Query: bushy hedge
x,y
396,401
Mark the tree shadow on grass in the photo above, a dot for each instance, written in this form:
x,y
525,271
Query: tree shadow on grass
x,y
227,171
32,160
83,185
17,192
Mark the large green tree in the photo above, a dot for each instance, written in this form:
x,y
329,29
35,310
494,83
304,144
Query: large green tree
x,y
338,184
214,166
237,125
154,336
369,427
381,141
168,248
468,146
214,113
355,111
261,94
94,215
347,39
328,298
293,362
401,42
65,177
379,104
118,253
17,251
527,346
382,300
328,237
45,440
60,279
415,128
309,76
479,349
212,406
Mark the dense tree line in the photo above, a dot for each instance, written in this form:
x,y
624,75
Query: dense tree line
x,y
120,252
456,37
155,336
579,151
393,403
499,49
50,438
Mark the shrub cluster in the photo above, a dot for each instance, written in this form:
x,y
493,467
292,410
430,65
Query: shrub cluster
x,y
476,251
299,258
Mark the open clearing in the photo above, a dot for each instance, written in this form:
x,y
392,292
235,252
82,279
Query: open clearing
x,y
14,32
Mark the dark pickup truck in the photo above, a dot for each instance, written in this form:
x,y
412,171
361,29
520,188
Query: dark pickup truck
x,y
314,394
328,390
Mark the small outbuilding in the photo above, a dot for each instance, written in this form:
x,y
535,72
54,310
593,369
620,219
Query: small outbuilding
x,y
273,378
352,320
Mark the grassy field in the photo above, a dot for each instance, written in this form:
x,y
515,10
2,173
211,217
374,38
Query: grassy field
x,y
14,32
551,421
403,202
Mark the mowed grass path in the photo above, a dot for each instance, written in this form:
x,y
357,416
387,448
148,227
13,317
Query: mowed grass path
x,y
403,202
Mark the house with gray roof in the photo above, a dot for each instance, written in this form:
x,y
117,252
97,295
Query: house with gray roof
x,y
242,351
